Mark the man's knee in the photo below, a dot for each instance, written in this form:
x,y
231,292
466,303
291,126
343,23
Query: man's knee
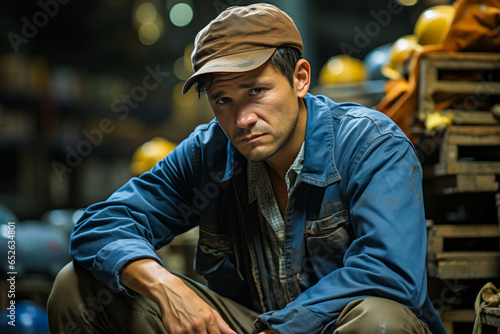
x,y
79,304
63,301
378,315
64,288
76,289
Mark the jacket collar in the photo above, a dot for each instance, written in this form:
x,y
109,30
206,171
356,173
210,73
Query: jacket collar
x,y
319,164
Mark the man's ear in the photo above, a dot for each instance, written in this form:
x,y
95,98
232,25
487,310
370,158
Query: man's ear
x,y
302,77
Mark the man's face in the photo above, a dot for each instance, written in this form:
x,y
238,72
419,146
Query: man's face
x,y
258,110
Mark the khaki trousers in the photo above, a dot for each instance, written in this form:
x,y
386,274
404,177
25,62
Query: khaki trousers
x,y
80,304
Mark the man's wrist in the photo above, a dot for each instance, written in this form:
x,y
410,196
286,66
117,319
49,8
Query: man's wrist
x,y
143,275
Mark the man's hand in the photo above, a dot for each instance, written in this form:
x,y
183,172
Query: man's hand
x,y
269,331
181,308
184,312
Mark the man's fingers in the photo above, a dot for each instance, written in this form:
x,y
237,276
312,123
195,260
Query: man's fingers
x,y
268,331
210,323
223,326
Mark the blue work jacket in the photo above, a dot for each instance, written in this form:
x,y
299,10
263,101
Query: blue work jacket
x,y
354,224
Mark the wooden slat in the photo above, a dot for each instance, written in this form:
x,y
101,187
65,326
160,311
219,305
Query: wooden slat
x,y
473,136
490,88
469,256
466,60
481,117
478,167
463,315
449,317
466,231
468,269
476,183
474,130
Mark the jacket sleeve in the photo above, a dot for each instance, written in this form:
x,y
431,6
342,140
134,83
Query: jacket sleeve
x,y
142,216
382,183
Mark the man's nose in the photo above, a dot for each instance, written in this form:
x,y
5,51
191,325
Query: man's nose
x,y
245,117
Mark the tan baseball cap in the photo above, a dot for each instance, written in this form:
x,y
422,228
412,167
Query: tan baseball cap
x,y
241,39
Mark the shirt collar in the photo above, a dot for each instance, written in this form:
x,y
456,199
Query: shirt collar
x,y
256,176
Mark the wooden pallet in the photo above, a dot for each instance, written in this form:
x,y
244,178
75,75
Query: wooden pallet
x,y
457,137
462,264
473,171
476,91
450,317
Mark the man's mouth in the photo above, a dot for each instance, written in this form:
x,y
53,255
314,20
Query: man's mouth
x,y
250,138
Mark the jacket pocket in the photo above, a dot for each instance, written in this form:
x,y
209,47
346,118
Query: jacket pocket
x,y
216,262
327,240
214,254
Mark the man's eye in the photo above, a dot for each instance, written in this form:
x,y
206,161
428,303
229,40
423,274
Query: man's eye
x,y
256,91
223,100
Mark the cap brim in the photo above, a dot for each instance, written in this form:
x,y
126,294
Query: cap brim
x,y
240,62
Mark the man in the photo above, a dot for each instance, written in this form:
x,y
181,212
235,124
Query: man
x,y
310,212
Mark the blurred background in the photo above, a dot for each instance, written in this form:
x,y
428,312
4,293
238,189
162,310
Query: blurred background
x,y
79,93
90,96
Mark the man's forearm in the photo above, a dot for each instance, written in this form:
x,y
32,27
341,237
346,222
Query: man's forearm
x,y
145,277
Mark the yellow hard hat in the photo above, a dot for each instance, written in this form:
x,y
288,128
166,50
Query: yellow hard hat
x,y
401,51
433,24
149,153
342,69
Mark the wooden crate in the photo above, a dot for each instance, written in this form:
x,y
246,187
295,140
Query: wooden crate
x,y
473,171
451,317
461,264
476,91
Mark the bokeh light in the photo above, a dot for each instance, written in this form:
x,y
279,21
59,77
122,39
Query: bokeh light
x,y
150,32
407,2
188,50
181,14
184,100
180,70
335,66
146,12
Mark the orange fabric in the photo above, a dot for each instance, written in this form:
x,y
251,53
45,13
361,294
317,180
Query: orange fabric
x,y
475,27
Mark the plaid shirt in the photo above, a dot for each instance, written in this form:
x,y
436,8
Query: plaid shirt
x,y
272,223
